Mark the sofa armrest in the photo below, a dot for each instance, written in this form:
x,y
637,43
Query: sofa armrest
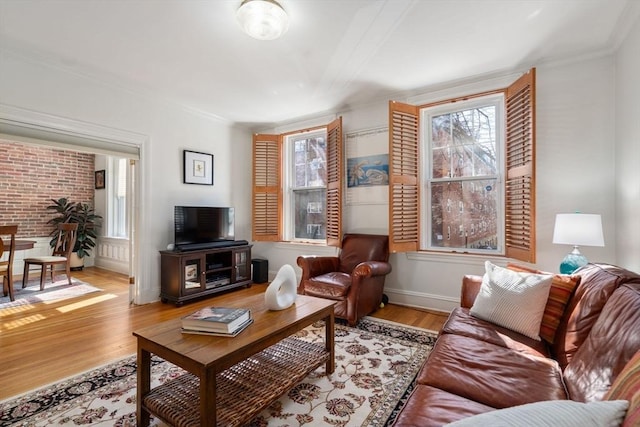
x,y
470,288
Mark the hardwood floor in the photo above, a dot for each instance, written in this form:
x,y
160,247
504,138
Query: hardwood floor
x,y
46,342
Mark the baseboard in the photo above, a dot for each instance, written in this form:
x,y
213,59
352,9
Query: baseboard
x,y
111,265
433,302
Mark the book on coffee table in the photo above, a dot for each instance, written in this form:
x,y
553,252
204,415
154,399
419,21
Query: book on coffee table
x,y
239,329
217,319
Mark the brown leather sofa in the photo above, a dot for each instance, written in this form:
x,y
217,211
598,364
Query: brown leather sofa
x,y
354,278
476,366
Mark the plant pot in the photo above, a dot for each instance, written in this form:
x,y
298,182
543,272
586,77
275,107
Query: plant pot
x,y
76,262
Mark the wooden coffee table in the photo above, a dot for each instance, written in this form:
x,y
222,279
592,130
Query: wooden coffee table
x,y
230,380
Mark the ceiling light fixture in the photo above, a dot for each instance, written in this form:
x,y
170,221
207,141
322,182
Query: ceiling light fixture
x,y
262,19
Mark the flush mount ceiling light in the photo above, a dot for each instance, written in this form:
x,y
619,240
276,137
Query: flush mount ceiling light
x,y
263,19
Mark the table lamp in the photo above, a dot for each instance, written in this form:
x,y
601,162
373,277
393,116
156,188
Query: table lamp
x,y
577,229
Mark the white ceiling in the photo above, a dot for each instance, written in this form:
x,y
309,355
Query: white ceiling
x,y
337,53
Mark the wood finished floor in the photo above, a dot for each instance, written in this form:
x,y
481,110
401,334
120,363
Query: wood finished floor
x,y
46,342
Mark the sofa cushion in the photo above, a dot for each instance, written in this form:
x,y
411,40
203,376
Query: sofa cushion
x,y
627,387
597,283
493,375
554,413
562,287
429,406
511,299
461,322
594,366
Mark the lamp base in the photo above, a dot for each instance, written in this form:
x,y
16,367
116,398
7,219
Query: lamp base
x,y
573,261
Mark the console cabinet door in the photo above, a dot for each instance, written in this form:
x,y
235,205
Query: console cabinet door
x,y
242,264
192,274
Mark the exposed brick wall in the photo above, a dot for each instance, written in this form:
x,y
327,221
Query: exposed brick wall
x,y
30,176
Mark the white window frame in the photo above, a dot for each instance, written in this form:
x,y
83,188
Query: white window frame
x,y
498,100
289,179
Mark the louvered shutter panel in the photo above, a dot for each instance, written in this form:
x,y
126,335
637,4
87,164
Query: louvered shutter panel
x,y
334,183
267,197
520,191
404,185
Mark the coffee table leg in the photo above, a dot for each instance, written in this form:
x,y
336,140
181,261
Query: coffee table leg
x,y
329,342
144,385
208,398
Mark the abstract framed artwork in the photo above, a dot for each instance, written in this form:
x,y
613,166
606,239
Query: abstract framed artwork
x,y
198,168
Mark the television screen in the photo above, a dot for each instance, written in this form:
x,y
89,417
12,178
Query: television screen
x,y
201,224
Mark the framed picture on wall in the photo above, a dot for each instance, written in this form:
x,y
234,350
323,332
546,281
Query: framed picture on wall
x,y
198,168
367,153
100,179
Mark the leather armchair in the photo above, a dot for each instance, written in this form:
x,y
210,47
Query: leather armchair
x,y
354,278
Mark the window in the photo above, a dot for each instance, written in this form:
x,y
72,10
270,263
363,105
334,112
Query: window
x,y
463,142
306,186
117,197
297,186
464,147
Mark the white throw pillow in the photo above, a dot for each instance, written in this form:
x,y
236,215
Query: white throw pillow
x,y
552,413
512,299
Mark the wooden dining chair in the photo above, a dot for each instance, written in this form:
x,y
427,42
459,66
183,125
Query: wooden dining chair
x,y
67,233
6,267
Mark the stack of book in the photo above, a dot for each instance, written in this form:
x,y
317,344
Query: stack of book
x,y
218,321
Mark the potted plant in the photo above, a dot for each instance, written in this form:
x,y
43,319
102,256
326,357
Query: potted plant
x,y
88,224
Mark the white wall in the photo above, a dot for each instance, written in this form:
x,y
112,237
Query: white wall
x,y
169,128
575,171
628,150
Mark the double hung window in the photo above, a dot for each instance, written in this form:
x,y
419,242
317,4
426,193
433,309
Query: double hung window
x,y
117,197
462,176
462,173
297,185
306,186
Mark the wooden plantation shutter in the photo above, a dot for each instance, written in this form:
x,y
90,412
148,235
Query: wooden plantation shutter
x,y
334,183
267,196
404,185
520,230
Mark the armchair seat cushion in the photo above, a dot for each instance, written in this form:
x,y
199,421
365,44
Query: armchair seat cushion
x,y
334,285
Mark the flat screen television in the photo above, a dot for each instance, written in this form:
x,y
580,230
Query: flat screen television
x,y
197,225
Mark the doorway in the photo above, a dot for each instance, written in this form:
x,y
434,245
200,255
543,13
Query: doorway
x,y
28,127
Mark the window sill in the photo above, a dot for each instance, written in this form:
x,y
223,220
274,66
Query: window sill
x,y
316,248
456,258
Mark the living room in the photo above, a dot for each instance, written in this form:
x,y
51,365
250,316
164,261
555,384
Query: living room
x,y
586,149
585,156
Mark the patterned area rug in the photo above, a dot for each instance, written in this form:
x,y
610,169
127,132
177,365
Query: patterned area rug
x,y
60,289
376,363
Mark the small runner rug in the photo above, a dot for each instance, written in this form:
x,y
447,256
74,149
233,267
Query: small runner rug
x,y
60,289
376,363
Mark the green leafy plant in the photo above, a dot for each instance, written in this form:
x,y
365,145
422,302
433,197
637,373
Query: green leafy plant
x,y
81,213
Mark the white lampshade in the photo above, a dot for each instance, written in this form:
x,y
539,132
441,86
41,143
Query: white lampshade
x,y
578,229
263,19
